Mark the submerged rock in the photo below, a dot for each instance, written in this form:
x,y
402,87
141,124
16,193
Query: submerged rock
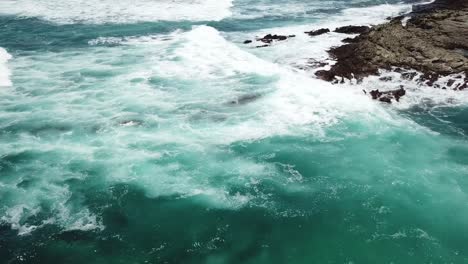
x,y
245,99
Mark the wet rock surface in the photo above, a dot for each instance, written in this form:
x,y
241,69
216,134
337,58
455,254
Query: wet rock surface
x,y
269,39
388,96
353,29
433,41
317,32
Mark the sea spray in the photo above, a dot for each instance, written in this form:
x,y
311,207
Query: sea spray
x,y
5,72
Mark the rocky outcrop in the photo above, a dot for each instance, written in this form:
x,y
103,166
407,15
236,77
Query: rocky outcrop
x,y
269,39
353,29
317,32
432,40
388,96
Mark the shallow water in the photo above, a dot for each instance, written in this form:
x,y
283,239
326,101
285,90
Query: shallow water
x,y
146,132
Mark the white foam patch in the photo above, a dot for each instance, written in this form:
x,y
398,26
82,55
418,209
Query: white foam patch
x,y
110,11
419,93
5,72
19,215
15,217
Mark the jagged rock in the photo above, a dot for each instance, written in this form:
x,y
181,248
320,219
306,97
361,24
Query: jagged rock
x,y
268,39
450,82
318,32
248,42
353,29
430,78
388,96
408,75
462,86
325,75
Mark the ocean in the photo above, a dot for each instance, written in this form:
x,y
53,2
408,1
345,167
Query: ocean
x,y
145,131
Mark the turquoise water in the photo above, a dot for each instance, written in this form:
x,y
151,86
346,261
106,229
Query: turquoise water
x,y
145,132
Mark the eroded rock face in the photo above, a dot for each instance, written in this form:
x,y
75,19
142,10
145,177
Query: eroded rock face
x,y
433,41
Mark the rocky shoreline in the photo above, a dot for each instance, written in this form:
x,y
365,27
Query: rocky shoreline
x,y
432,39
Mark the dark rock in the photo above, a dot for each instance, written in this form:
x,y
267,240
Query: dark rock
x,y
318,32
375,94
399,70
268,39
325,75
388,96
274,37
353,29
350,40
264,40
429,77
247,42
462,86
385,99
263,46
397,94
408,75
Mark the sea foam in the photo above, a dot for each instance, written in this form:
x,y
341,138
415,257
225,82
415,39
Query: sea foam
x,y
5,72
109,11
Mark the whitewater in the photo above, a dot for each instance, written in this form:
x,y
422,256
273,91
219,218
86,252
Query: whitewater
x,y
147,132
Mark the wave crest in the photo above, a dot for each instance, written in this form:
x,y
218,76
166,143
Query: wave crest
x,y
5,72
